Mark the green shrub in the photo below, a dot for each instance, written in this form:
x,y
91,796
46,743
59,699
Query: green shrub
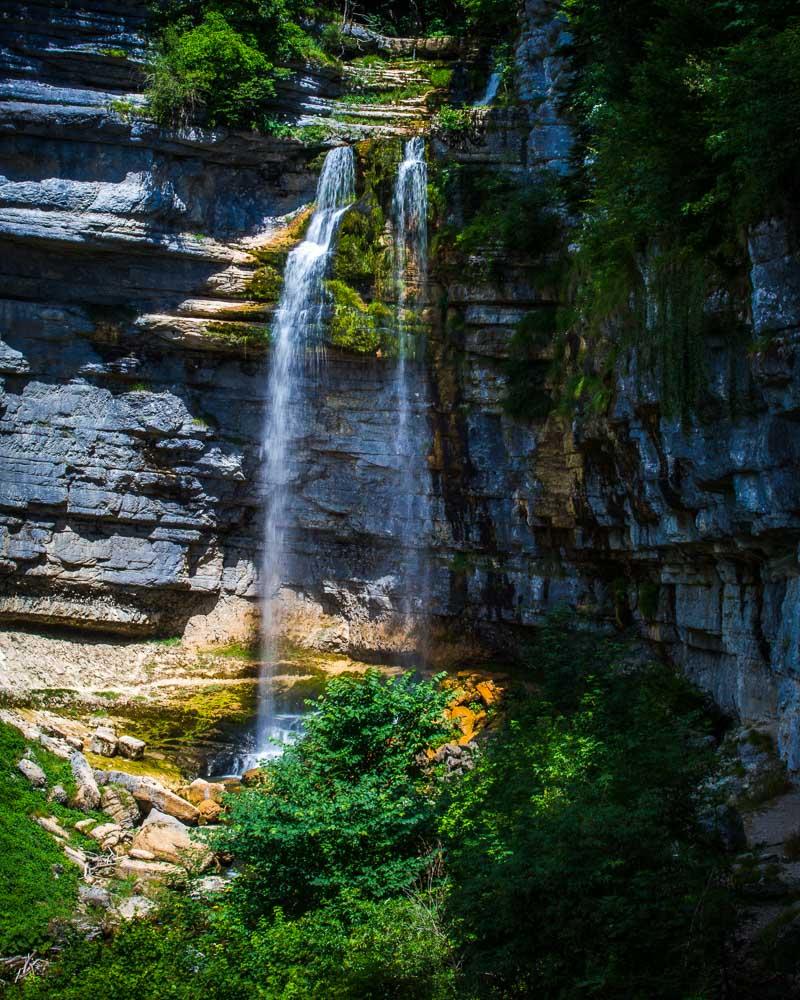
x,y
212,67
265,285
353,949
454,123
346,807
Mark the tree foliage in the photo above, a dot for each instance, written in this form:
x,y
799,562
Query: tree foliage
x,y
348,806
578,863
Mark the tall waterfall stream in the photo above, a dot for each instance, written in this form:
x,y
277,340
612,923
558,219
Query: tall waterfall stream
x,y
297,344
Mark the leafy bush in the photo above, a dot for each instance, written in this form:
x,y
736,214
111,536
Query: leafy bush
x,y
453,122
214,67
349,950
347,806
222,57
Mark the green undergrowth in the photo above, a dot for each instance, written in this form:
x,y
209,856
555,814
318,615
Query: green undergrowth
x,y
572,860
221,63
38,885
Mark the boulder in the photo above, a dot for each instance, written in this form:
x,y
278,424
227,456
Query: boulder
x,y
201,790
210,811
131,747
168,839
103,742
34,774
94,895
488,692
120,805
58,794
141,855
59,748
151,794
84,825
51,824
134,907
87,796
253,776
107,835
143,872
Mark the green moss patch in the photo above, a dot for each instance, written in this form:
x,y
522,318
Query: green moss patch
x,y
253,336
356,325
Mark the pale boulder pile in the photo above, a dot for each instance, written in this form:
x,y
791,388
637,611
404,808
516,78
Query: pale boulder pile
x,y
146,835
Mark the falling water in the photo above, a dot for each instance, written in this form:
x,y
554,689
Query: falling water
x,y
296,339
411,259
492,86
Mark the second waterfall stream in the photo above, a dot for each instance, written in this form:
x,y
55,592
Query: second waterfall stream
x,y
297,342
410,211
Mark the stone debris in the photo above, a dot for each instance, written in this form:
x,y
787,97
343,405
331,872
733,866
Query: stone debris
x,y
51,824
77,856
104,742
107,835
168,839
131,747
32,772
57,794
87,796
120,805
151,793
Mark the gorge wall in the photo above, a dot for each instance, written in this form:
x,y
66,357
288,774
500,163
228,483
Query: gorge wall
x,y
133,389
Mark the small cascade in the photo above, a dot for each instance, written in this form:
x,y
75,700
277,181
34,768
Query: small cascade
x,y
410,210
296,343
492,86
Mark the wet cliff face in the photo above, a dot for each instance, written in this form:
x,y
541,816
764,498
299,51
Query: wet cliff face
x,y
130,495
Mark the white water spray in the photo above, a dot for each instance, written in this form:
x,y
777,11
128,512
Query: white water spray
x,y
410,210
492,86
296,341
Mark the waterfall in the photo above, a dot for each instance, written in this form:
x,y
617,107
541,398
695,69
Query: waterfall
x,y
296,339
492,86
410,210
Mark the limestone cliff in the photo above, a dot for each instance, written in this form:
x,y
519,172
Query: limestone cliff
x,y
133,394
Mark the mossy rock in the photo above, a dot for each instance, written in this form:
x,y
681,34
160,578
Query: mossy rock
x,y
247,336
355,325
362,255
265,285
378,160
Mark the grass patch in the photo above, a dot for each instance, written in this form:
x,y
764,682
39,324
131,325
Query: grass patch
x,y
38,885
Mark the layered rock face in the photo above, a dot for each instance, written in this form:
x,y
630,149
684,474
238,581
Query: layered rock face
x,y
130,491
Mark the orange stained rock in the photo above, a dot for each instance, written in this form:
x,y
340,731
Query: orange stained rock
x,y
488,692
464,718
